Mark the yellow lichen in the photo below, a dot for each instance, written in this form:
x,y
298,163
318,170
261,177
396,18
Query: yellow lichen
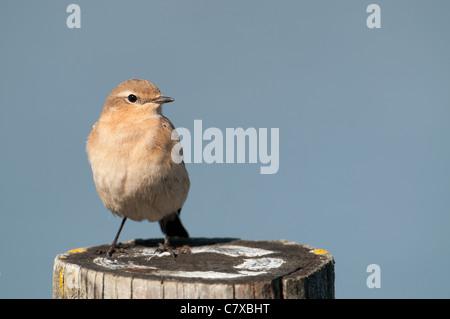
x,y
61,281
77,250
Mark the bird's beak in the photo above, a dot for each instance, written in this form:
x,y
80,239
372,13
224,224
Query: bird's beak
x,y
163,99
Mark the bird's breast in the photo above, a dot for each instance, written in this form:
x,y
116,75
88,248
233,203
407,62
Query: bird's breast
x,y
133,168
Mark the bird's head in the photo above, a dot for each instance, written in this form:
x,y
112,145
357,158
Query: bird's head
x,y
136,93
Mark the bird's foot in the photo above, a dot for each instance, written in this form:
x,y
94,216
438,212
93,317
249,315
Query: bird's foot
x,y
112,249
183,249
162,248
173,251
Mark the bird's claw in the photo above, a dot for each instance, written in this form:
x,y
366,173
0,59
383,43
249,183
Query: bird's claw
x,y
165,248
173,251
112,250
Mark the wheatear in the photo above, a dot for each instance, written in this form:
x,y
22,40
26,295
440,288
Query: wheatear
x,y
129,150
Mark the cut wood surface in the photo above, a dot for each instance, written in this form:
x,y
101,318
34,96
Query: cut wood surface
x,y
203,268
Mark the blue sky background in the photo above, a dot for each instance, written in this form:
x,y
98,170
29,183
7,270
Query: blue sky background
x,y
363,116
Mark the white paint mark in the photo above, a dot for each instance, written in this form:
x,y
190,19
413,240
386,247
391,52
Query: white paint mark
x,y
260,263
231,250
71,276
251,273
153,252
228,250
250,266
115,264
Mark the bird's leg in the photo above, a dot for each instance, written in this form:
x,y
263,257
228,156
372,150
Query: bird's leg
x,y
114,244
166,246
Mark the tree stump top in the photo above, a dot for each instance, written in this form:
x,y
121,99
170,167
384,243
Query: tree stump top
x,y
202,268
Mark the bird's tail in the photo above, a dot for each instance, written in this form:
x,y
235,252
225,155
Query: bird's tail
x,y
173,226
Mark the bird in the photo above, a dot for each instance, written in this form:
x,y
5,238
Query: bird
x,y
130,153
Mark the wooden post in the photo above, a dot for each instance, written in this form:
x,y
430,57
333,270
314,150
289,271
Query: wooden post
x,y
203,268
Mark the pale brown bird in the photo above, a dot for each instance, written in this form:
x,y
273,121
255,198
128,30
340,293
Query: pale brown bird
x,y
129,150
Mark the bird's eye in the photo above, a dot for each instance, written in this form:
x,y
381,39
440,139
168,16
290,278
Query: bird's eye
x,y
132,98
